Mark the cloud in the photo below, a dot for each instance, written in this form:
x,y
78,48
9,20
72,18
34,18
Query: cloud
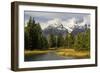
x,y
69,24
43,16
54,22
44,25
68,20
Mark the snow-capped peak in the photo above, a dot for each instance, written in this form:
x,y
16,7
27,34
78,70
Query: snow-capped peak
x,y
55,22
68,24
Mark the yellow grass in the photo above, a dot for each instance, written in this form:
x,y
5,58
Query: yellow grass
x,y
73,53
28,52
61,52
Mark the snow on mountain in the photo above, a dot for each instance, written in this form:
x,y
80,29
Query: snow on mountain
x,y
55,22
51,23
69,24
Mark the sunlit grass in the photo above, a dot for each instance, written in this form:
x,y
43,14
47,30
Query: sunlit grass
x,y
61,52
35,52
73,53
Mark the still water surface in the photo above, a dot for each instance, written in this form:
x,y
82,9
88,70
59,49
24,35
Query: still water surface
x,y
48,56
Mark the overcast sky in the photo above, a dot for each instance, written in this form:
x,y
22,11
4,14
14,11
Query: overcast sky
x,y
47,18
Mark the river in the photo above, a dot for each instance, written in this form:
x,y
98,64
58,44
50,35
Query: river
x,y
44,57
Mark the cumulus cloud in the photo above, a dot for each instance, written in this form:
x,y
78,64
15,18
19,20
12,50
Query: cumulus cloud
x,y
44,25
69,24
54,23
55,19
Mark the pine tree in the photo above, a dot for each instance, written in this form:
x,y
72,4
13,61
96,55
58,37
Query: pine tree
x,y
86,44
66,41
52,41
44,43
69,41
33,36
28,32
26,38
82,40
79,41
60,41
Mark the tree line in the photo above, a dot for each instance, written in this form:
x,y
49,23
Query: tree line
x,y
34,38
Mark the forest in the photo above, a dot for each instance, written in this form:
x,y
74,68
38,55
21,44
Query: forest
x,y
35,42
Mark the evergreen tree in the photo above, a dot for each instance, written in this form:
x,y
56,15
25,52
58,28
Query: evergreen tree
x,y
79,41
69,41
44,43
86,44
60,41
33,36
26,38
52,41
66,41
28,32
82,40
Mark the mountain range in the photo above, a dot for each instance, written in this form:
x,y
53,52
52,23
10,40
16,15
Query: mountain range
x,y
59,28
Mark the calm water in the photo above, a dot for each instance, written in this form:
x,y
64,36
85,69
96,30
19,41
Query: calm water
x,y
48,56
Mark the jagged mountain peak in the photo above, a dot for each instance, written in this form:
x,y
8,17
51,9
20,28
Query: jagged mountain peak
x,y
59,27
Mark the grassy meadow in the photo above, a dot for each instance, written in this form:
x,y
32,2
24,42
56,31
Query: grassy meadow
x,y
77,54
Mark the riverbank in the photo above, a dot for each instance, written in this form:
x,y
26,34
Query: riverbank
x,y
35,52
61,52
73,53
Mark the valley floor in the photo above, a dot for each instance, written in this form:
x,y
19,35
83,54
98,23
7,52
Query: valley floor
x,y
78,54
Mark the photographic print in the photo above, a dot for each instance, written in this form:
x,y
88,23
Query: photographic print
x,y
52,36
56,35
